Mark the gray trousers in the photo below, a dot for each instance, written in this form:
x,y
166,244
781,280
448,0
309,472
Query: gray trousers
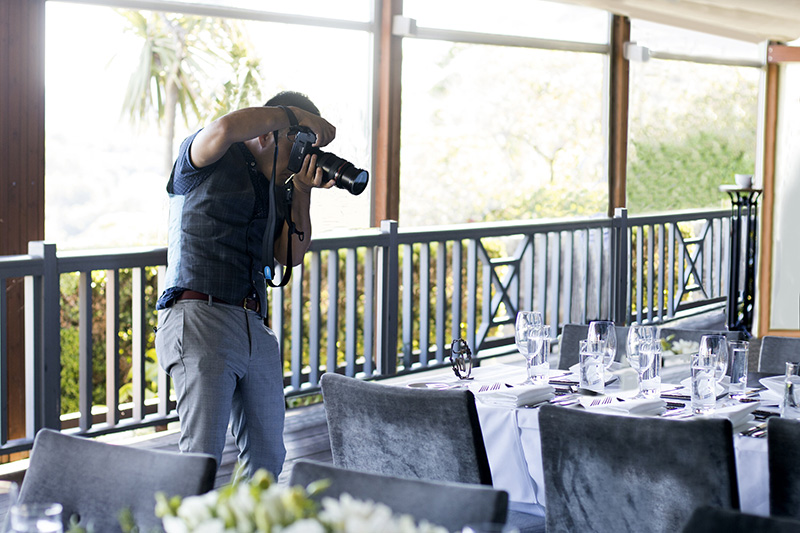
x,y
226,367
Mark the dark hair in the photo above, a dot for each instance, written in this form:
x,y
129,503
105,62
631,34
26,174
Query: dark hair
x,y
293,98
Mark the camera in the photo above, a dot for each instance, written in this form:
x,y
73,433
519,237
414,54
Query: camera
x,y
344,173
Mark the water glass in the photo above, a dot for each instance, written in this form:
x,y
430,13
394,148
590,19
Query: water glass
x,y
604,331
490,527
716,346
738,385
538,365
36,518
790,408
704,383
650,379
592,365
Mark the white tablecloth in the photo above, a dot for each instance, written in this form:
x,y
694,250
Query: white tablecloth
x,y
514,449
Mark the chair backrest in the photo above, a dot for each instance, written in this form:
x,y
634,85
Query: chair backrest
x,y
573,334
783,443
775,352
715,520
447,504
622,473
95,481
405,432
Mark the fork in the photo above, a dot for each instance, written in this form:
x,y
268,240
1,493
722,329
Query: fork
x,y
605,400
491,387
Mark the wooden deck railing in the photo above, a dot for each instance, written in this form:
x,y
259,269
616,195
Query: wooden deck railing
x,y
369,304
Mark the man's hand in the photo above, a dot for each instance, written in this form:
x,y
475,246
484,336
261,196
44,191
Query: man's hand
x,y
324,130
310,176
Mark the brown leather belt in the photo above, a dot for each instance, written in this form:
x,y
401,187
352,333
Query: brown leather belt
x,y
248,303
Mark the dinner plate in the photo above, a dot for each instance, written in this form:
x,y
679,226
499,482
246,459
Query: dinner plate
x,y
430,385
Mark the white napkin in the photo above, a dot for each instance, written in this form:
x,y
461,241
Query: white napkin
x,y
638,406
608,373
517,396
722,385
739,414
774,393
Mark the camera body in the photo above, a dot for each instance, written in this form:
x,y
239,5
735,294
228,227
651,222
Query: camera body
x,y
344,173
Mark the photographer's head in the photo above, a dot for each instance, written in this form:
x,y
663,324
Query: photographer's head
x,y
295,99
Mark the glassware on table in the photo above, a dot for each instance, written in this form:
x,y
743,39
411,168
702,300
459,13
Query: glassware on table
x,y
461,358
790,407
704,383
528,334
592,367
717,347
538,352
36,518
738,351
604,331
644,356
489,527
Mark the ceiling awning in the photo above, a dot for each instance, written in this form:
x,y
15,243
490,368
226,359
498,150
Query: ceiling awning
x,y
746,20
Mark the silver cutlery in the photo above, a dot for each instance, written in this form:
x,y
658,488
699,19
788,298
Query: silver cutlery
x,y
601,401
490,387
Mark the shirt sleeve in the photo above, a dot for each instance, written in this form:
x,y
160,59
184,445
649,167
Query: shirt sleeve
x,y
185,176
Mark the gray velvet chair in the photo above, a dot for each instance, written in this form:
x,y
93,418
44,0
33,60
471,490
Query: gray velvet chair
x,y
714,520
783,441
405,432
609,473
775,352
94,480
448,504
573,334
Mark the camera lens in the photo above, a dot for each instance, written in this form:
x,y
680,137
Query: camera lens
x,y
344,173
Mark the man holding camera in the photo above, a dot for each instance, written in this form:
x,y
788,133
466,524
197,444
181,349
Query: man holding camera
x,y
211,339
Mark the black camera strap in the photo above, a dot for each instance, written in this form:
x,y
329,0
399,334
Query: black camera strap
x,y
284,192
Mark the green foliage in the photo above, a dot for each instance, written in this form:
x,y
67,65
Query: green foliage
x,y
685,173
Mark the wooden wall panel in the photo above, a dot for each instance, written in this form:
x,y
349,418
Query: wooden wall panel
x,y
22,42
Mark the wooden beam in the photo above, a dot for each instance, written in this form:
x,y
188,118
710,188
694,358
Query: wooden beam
x,y
386,188
22,29
781,53
768,201
619,78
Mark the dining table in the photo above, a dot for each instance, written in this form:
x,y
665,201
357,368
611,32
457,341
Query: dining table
x,y
512,438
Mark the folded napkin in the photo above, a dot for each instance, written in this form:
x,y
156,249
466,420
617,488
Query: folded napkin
x,y
773,395
739,414
609,373
722,386
638,406
516,396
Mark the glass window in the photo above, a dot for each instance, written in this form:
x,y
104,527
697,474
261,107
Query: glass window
x,y
526,18
493,132
669,39
106,177
691,128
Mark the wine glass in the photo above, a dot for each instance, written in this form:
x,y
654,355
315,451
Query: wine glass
x,y
716,346
603,331
641,351
528,334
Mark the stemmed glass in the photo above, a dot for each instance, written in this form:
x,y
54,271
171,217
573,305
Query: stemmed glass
x,y
642,345
716,346
603,331
529,336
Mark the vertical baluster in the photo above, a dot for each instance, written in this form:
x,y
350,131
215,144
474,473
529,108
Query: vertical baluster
x,y
455,302
424,301
297,335
639,272
139,341
113,380
333,310
85,343
315,316
556,279
586,274
441,299
351,320
408,305
650,270
472,292
164,381
569,265
3,361
661,267
369,311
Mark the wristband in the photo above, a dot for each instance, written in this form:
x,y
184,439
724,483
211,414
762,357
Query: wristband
x,y
289,113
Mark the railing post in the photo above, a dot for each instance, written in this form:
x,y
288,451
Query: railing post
x,y
43,343
619,266
386,299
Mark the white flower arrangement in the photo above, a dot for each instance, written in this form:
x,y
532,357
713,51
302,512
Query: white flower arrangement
x,y
257,505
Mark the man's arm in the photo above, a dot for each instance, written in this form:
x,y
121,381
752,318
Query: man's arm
x,y
307,178
244,124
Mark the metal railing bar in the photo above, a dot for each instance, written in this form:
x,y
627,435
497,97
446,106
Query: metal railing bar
x,y
350,300
139,340
85,350
112,347
333,311
441,300
315,316
408,303
369,311
297,333
424,301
